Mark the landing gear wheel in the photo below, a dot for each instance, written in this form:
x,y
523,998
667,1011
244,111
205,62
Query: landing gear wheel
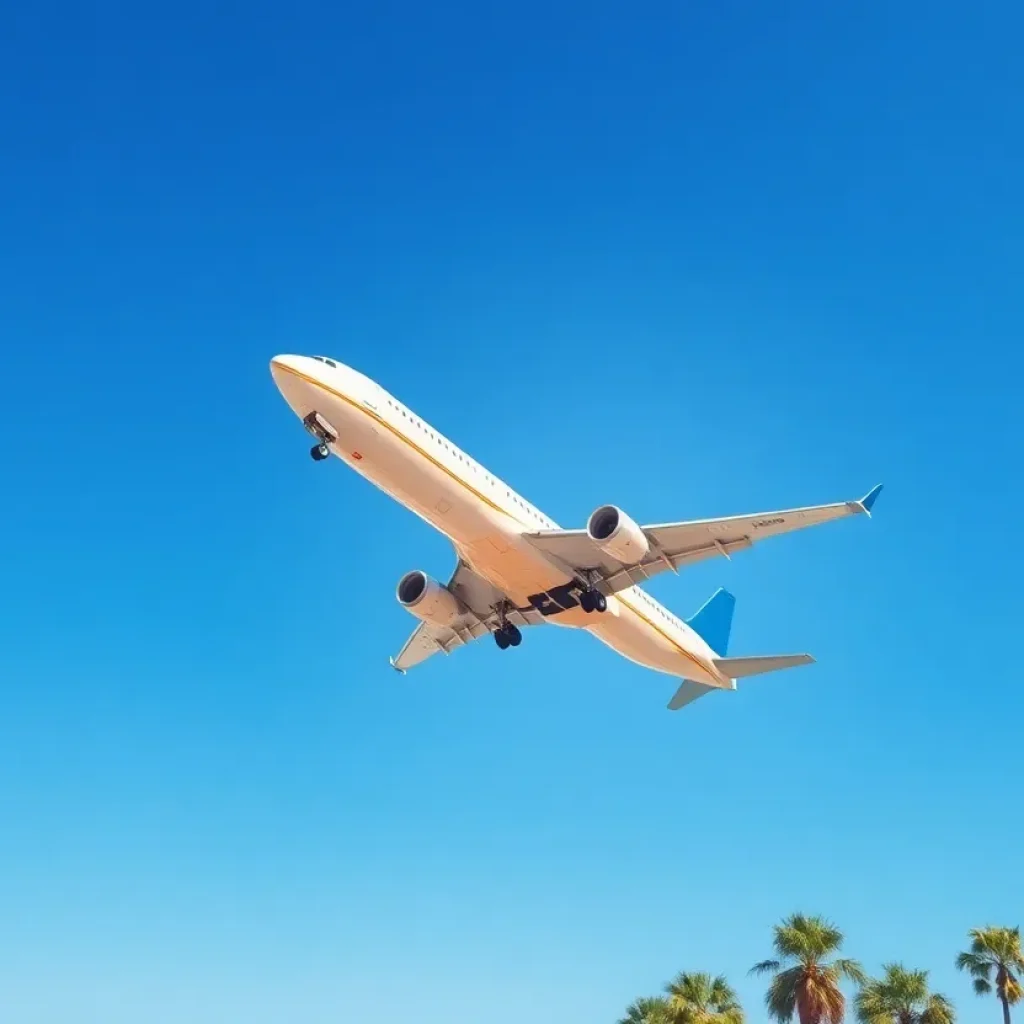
x,y
600,602
508,636
593,601
320,452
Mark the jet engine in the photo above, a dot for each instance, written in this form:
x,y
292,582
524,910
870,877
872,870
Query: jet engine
x,y
427,599
617,535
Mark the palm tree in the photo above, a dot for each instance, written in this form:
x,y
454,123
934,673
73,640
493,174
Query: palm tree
x,y
902,997
702,999
648,1011
803,984
995,951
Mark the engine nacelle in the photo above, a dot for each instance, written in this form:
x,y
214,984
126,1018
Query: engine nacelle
x,y
617,535
427,599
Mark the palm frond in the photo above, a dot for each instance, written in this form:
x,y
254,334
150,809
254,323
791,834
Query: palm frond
x,y
901,996
806,938
870,1007
819,998
699,998
648,1011
938,1010
849,969
781,998
1013,991
974,963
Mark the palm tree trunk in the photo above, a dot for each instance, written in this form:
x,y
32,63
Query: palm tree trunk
x,y
1006,1008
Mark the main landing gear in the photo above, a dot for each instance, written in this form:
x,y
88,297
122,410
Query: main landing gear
x,y
507,636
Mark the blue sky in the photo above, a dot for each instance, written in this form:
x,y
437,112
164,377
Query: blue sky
x,y
697,260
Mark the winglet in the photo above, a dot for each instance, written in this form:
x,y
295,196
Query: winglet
x,y
400,671
869,499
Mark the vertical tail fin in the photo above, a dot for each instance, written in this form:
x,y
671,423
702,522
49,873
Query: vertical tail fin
x,y
712,622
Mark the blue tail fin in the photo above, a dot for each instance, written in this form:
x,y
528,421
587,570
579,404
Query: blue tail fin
x,y
713,620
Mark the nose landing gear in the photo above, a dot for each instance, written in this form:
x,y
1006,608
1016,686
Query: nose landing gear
x,y
324,433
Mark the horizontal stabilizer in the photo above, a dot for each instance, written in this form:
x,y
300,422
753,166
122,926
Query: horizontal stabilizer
x,y
736,668
740,668
687,693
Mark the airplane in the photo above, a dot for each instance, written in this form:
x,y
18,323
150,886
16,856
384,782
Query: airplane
x,y
516,567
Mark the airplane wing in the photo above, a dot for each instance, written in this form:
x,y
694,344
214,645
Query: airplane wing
x,y
479,618
674,545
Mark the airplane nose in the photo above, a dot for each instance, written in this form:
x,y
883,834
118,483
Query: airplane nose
x,y
281,365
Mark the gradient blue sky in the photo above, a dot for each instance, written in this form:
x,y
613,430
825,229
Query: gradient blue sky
x,y
697,260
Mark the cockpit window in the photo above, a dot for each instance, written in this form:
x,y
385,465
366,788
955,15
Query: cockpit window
x,y
324,359
319,359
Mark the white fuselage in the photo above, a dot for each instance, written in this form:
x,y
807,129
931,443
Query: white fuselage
x,y
389,445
